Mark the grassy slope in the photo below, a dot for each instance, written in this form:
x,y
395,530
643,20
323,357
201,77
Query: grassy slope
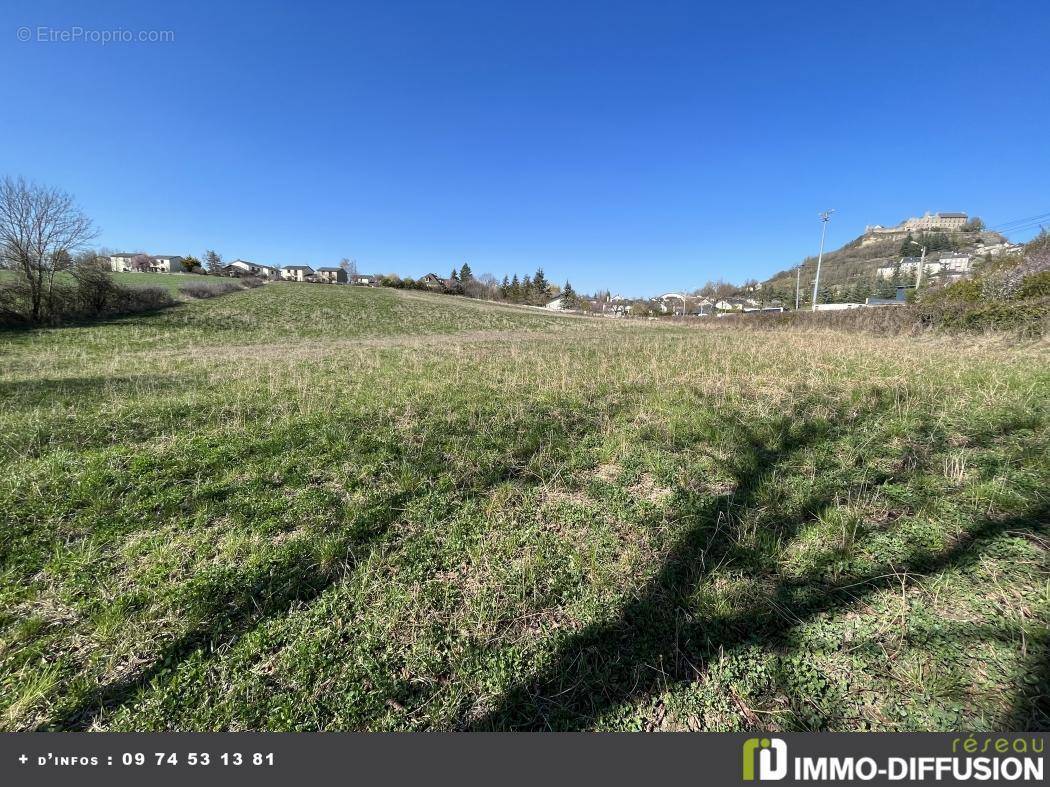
x,y
165,281
305,507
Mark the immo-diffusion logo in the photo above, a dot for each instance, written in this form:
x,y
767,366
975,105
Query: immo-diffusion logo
x,y
769,766
998,759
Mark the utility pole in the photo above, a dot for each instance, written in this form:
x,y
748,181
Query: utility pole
x,y
825,217
798,281
922,267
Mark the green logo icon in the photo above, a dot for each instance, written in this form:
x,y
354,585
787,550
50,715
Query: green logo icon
x,y
761,749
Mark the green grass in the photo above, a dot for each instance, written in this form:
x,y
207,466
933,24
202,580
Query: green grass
x,y
165,281
305,507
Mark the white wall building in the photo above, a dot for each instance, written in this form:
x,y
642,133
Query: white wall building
x,y
997,249
167,263
159,263
954,263
253,269
120,262
296,272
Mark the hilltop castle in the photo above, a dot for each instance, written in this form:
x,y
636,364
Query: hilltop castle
x,y
936,221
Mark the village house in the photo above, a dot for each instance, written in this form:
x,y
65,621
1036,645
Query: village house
x,y
908,266
296,272
246,268
731,304
617,306
167,263
954,263
364,279
673,303
434,282
160,263
121,262
331,275
997,249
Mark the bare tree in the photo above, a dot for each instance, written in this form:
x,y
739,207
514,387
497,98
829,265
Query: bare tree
x,y
40,228
349,265
141,262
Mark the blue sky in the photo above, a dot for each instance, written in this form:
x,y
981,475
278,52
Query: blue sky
x,y
636,146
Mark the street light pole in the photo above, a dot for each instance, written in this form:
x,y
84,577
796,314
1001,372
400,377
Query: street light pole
x,y
825,217
922,266
798,281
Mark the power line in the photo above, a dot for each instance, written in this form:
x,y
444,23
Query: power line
x,y
1021,228
1008,225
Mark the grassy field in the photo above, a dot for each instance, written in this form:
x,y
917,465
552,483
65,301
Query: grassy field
x,y
165,281
304,507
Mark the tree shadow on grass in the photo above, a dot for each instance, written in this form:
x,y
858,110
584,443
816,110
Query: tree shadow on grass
x,y
1031,708
657,640
228,604
27,394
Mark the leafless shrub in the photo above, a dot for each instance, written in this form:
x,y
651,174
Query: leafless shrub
x,y
95,289
207,289
1025,318
134,300
89,297
1005,284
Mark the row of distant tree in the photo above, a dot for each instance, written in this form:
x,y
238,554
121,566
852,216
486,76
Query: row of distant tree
x,y
534,290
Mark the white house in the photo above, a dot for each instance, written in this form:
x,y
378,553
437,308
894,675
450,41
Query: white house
x,y
296,272
673,302
167,263
954,263
121,262
244,267
996,249
158,263
332,275
617,306
734,304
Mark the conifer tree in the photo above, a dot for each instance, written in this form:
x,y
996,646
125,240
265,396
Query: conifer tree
x,y
540,284
568,295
